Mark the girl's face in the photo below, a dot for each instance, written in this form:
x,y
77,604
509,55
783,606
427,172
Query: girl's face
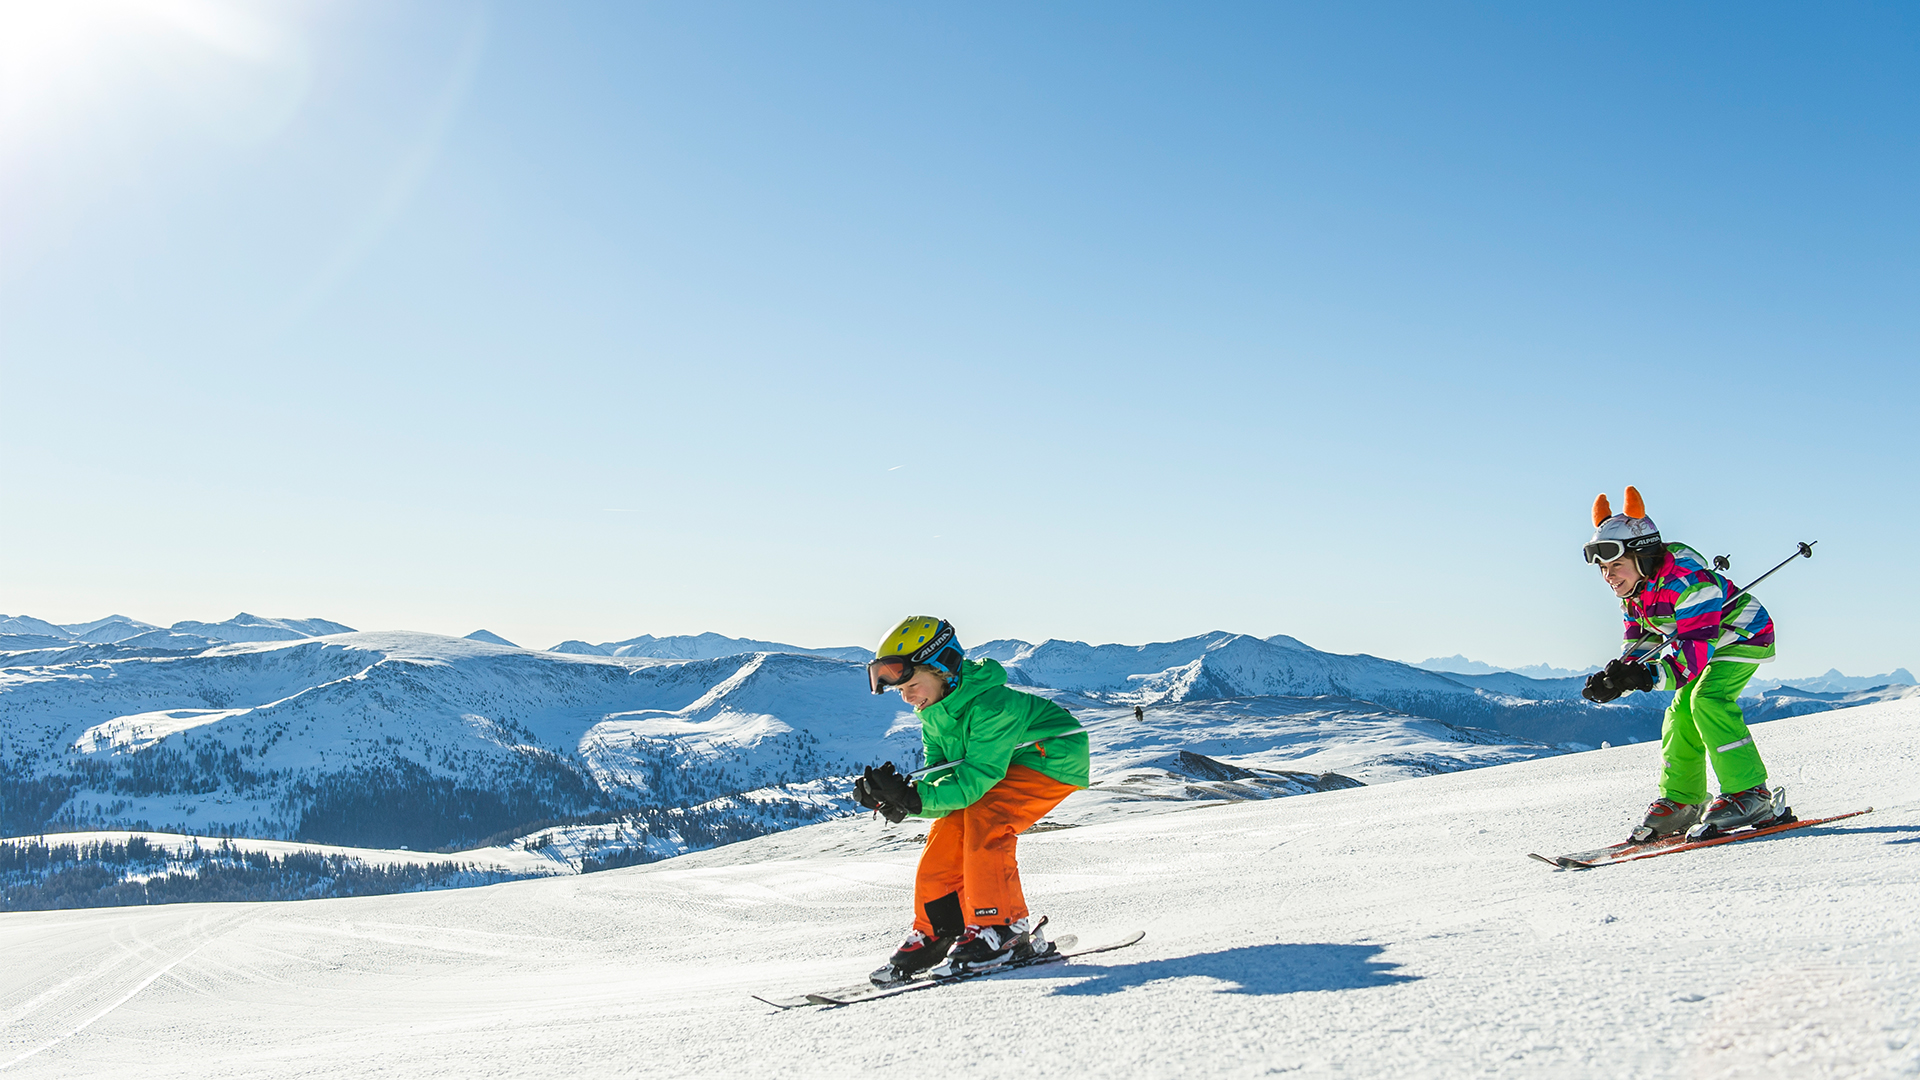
x,y
1622,575
926,687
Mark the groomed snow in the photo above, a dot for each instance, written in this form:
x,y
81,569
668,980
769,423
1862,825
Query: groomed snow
x,y
1395,930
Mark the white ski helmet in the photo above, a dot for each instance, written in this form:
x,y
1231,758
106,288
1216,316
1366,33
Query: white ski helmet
x,y
1615,535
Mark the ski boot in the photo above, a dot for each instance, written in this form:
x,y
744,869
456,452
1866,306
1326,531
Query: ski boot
x,y
915,955
982,948
1665,818
1756,807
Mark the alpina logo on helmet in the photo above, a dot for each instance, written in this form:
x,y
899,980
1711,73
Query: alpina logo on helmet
x,y
925,653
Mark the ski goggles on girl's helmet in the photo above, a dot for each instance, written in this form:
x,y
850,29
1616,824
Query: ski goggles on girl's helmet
x,y
919,639
886,671
1604,551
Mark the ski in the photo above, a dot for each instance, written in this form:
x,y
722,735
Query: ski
x,y
1065,948
1630,852
802,1001
1782,814
861,990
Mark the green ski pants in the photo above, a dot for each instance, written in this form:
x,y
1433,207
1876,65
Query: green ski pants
x,y
1704,723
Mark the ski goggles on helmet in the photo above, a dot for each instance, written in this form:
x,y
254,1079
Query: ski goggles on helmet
x,y
886,671
1604,551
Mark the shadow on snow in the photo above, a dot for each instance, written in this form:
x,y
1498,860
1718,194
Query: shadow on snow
x,y
1849,829
1255,969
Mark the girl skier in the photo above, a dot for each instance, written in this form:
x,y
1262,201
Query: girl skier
x,y
1685,632
969,912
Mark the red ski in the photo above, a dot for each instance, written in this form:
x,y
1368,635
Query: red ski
x,y
1629,851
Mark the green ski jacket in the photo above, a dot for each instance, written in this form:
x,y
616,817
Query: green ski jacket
x,y
981,721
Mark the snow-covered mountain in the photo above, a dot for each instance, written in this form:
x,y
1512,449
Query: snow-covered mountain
x,y
1833,682
427,741
1224,665
1460,665
105,631
1392,930
431,742
416,739
702,647
23,632
27,625
245,627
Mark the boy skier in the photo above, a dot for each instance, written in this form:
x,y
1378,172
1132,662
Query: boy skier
x,y
1685,632
969,912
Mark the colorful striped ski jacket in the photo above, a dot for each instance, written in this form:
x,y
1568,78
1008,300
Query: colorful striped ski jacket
x,y
1687,602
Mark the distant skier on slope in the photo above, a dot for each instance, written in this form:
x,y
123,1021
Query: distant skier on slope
x,y
969,912
1684,634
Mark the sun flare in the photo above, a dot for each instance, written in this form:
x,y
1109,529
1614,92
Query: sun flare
x,y
62,62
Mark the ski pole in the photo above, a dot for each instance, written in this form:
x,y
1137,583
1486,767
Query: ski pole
x,y
1720,563
918,773
1081,730
1806,551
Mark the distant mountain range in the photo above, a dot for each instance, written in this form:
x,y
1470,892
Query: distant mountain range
x,y
306,729
1460,665
23,632
702,647
1833,682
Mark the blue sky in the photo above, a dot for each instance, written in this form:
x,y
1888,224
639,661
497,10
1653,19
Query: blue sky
x,y
1105,322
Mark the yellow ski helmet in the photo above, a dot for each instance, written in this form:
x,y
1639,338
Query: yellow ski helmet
x,y
919,639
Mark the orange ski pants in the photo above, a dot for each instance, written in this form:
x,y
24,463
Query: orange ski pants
x,y
970,851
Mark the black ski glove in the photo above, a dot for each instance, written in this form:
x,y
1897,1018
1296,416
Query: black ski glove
x,y
1629,675
1618,677
893,794
1598,689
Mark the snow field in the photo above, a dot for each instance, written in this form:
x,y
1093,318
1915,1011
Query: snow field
x,y
1396,930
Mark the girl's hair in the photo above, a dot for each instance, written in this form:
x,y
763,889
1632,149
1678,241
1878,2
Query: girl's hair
x,y
951,678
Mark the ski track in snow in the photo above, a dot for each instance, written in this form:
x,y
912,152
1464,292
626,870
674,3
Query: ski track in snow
x,y
1396,930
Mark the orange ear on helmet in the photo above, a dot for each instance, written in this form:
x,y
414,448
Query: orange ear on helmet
x,y
1636,507
1601,510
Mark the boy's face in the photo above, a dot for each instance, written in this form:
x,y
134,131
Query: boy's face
x,y
1622,575
926,687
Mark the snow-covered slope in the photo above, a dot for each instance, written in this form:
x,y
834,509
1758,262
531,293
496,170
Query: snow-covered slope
x,y
1395,930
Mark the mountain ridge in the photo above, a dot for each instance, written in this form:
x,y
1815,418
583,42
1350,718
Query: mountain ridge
x,y
390,738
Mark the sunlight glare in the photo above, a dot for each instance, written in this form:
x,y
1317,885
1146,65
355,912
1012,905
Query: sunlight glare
x,y
61,62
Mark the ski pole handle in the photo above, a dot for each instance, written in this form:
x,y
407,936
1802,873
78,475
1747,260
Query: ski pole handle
x,y
1806,552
